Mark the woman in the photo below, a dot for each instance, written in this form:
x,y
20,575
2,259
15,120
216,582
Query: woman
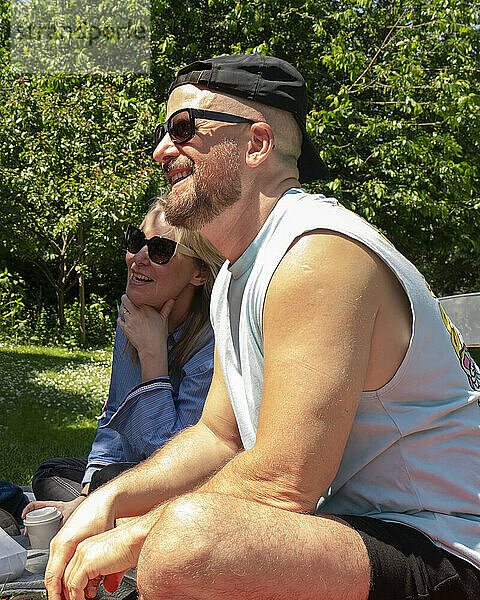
x,y
162,360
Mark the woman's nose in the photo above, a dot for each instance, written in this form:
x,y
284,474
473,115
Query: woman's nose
x,y
141,257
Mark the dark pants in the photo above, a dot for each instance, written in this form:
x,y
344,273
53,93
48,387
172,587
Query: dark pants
x,y
61,478
12,499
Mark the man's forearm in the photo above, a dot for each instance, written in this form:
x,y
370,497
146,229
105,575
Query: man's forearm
x,y
189,459
250,477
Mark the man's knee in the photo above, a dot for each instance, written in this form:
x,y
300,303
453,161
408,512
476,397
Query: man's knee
x,y
179,547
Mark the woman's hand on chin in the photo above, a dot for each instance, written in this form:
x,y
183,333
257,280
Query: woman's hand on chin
x,y
147,330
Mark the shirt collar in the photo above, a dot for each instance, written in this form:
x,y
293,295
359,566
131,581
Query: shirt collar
x,y
179,331
246,260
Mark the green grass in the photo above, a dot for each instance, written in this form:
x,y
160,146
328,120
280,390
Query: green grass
x,y
48,401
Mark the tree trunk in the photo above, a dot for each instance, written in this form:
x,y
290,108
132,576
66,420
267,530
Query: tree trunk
x,y
60,291
81,290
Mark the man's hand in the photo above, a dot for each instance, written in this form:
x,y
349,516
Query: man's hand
x,y
107,555
66,508
95,515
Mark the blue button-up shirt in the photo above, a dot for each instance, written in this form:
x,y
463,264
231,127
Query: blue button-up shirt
x,y
138,418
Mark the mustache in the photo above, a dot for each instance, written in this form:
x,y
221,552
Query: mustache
x,y
178,163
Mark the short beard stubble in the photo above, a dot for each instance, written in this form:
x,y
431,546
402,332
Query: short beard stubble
x,y
217,185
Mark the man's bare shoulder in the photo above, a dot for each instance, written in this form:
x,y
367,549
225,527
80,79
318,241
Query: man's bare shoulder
x,y
331,261
329,278
318,321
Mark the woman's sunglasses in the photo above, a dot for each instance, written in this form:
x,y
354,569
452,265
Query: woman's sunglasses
x,y
181,125
160,249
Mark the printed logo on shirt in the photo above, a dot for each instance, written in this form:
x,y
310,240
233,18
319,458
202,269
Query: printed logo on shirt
x,y
466,361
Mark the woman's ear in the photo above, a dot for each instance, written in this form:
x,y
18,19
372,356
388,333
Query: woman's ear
x,y
260,145
200,275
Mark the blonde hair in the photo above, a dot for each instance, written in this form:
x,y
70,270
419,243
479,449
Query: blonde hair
x,y
211,259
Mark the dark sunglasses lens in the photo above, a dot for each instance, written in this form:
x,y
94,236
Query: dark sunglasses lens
x,y
160,132
161,250
135,239
180,127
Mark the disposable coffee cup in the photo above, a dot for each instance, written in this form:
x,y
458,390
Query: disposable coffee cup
x,y
42,526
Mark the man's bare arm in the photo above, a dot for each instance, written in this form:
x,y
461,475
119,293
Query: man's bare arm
x,y
319,317
182,465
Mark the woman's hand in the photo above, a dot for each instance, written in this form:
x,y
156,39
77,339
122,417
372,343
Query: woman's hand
x,y
66,508
147,330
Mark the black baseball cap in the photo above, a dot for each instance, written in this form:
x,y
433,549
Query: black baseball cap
x,y
264,79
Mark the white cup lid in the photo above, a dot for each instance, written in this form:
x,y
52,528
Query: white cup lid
x,y
42,515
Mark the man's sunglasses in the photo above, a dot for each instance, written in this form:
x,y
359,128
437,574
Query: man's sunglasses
x,y
181,125
160,249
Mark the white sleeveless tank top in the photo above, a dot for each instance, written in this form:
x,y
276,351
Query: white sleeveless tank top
x,y
413,454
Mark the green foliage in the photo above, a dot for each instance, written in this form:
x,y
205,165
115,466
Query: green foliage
x,y
100,322
20,322
13,312
74,167
402,129
394,92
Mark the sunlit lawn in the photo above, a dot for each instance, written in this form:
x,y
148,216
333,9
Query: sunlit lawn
x,y
49,398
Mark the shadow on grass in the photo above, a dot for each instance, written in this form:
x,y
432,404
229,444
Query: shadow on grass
x,y
34,433
38,419
22,453
47,358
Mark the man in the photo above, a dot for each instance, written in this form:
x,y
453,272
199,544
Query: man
x,y
337,455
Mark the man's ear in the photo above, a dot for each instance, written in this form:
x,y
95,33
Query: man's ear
x,y
260,145
200,275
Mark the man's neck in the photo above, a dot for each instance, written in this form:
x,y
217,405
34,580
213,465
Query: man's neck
x,y
236,227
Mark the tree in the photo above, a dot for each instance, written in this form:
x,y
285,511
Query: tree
x,y
74,160
402,128
394,96
395,107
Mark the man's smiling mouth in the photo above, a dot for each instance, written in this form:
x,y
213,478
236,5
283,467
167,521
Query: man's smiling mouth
x,y
178,169
178,176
